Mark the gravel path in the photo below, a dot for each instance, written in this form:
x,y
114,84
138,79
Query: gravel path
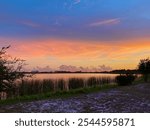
x,y
129,99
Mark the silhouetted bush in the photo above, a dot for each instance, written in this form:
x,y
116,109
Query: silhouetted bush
x,y
144,68
123,80
10,71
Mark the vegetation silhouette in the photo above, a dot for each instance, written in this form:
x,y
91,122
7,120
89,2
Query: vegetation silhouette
x,y
28,87
125,79
10,71
144,68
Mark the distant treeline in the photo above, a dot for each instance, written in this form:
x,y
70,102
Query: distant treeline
x,y
124,71
121,71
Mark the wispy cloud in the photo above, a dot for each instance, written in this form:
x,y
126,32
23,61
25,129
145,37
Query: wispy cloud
x,y
30,24
76,2
105,22
73,3
57,23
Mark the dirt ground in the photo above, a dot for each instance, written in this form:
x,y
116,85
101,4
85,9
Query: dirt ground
x,y
127,99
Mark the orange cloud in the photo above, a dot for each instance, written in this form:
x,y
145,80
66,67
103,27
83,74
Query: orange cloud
x,y
125,54
66,48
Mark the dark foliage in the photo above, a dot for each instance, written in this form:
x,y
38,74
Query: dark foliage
x,y
124,71
123,80
144,68
10,71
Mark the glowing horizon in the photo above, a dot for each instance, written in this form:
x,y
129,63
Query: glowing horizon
x,y
76,33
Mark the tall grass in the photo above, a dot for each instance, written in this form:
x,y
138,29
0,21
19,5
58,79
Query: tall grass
x,y
75,83
32,87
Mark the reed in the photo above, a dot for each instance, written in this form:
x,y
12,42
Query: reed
x,y
92,82
33,87
75,83
60,85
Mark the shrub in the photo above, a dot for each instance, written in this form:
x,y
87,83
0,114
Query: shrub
x,y
10,71
123,80
144,68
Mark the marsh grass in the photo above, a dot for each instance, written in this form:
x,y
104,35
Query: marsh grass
x,y
75,83
33,87
93,81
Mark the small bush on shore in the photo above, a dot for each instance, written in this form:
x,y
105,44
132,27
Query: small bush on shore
x,y
144,68
123,80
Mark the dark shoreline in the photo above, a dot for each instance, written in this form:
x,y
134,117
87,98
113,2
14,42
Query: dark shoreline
x,y
65,72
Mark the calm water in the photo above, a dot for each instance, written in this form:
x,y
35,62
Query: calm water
x,y
72,75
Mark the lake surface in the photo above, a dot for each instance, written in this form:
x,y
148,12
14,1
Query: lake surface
x,y
67,76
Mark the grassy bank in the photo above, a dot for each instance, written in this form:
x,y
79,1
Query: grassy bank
x,y
76,87
34,87
59,94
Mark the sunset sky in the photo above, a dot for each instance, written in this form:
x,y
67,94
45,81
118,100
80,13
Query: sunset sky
x,y
76,34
